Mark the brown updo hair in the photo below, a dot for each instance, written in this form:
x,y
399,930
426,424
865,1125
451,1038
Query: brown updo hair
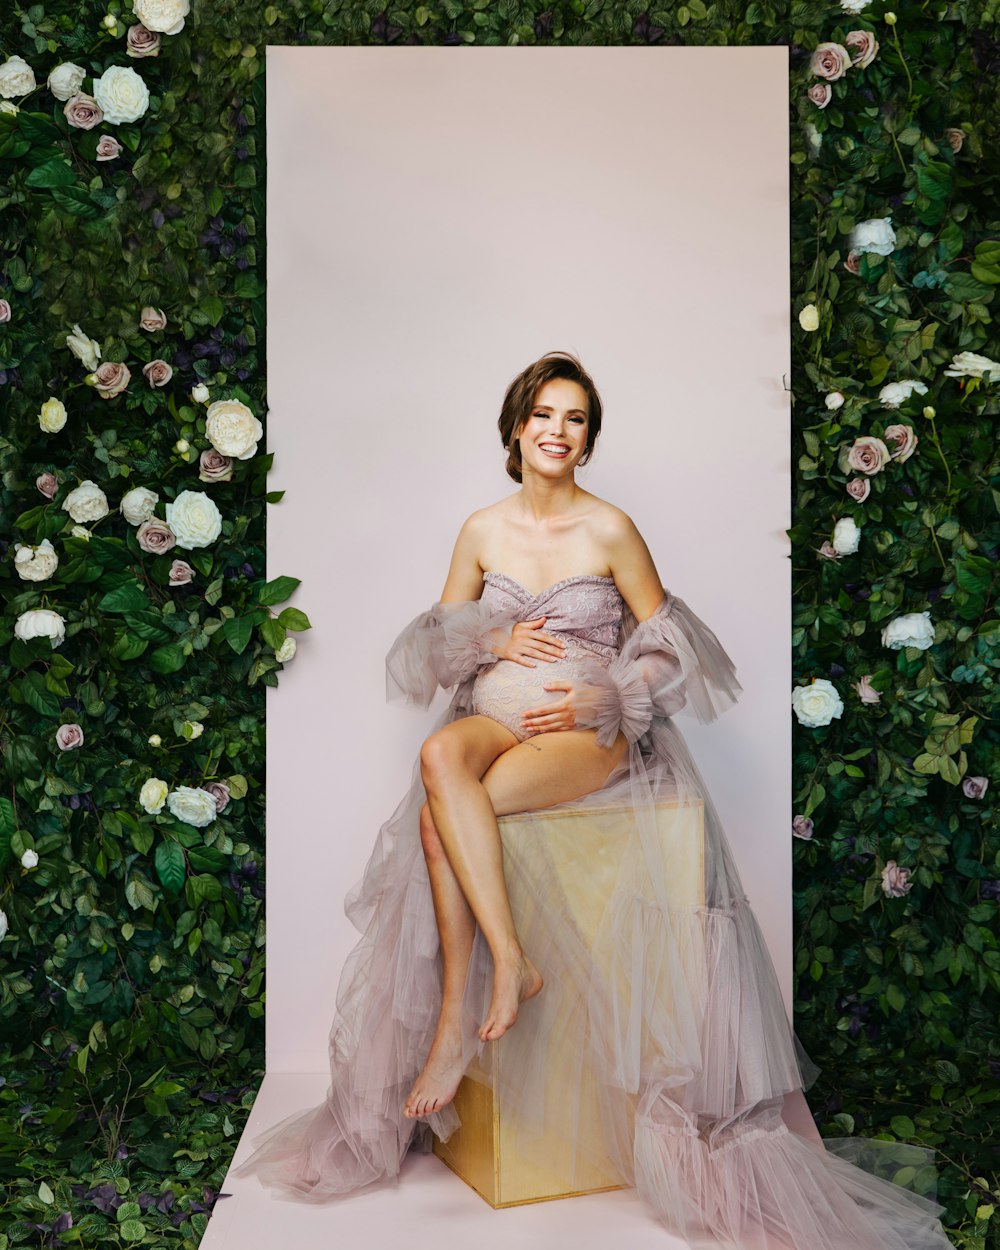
x,y
520,398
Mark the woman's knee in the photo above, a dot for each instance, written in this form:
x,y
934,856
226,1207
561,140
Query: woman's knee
x,y
439,755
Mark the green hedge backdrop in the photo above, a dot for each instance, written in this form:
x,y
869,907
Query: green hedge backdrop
x,y
135,644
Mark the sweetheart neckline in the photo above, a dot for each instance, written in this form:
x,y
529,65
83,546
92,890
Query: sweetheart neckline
x,y
576,577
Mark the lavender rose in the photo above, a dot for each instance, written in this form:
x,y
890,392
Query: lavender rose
x,y
157,372
821,93
895,880
221,792
69,737
4,310
866,46
108,148
955,138
859,488
830,61
140,41
152,319
865,692
83,111
213,466
802,827
902,440
975,787
48,484
868,454
110,378
155,536
180,573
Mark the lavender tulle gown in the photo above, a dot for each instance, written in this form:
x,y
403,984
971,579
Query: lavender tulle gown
x,y
690,1095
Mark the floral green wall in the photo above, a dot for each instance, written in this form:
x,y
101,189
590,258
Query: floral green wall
x,y
138,632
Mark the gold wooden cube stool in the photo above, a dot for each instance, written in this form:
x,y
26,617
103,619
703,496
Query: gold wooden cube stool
x,y
483,1152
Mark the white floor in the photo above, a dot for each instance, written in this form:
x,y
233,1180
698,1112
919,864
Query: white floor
x,y
430,1208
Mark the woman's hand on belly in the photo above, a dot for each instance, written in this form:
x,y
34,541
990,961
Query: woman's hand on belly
x,y
526,640
559,714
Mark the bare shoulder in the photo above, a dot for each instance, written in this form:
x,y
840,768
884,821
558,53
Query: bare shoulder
x,y
613,527
628,557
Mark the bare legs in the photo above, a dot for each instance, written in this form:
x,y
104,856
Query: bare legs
x,y
475,770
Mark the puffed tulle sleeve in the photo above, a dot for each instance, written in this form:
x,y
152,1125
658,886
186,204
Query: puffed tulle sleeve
x,y
444,646
669,663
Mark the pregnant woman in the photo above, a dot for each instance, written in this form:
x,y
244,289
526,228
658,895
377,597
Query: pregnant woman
x,y
568,661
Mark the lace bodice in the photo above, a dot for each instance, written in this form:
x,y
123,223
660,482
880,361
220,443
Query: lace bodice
x,y
586,607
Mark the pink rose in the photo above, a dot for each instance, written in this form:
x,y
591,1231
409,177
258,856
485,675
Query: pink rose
x,y
853,261
802,827
213,466
830,61
868,454
4,310
142,42
110,378
220,791
975,787
69,737
108,148
157,372
859,488
152,319
180,573
867,47
895,880
955,138
828,551
821,93
83,111
865,691
48,484
903,440
155,536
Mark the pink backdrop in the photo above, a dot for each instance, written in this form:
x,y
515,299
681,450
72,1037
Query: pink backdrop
x,y
438,218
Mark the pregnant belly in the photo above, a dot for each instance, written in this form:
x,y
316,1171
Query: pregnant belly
x,y
506,689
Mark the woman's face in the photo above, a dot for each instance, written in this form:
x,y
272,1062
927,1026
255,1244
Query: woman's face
x,y
554,435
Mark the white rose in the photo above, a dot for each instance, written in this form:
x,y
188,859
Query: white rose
x,y
40,623
87,351
232,429
138,504
121,94
35,564
7,106
52,415
153,795
874,235
814,137
80,531
915,629
846,536
199,393
194,518
895,393
192,729
809,317
817,704
29,859
154,740
87,503
16,77
854,7
969,364
3,924
166,16
834,400
66,80
194,806
286,651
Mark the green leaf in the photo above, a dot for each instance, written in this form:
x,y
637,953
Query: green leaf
x,y
273,632
129,597
278,590
170,866
895,997
34,693
903,1127
168,659
293,618
237,631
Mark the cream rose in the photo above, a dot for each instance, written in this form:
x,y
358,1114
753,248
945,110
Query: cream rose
x,y
52,415
66,80
828,551
122,94
194,518
157,372
48,484
969,364
86,350
874,235
865,45
199,393
29,859
16,77
859,488
35,564
895,393
153,795
3,924
4,310
903,441
854,7
180,573
80,531
155,536
955,137
111,378
846,536
192,729
821,93
166,16
865,690
40,623
232,429
193,805
915,629
868,454
151,319
214,467
138,504
69,737
286,651
834,400
830,61
809,317
817,704
108,148
141,41
83,112
87,502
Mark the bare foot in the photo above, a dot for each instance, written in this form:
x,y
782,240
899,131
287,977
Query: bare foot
x,y
436,1085
513,982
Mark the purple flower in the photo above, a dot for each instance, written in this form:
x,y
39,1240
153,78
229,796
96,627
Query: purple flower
x,y
802,827
975,787
895,880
